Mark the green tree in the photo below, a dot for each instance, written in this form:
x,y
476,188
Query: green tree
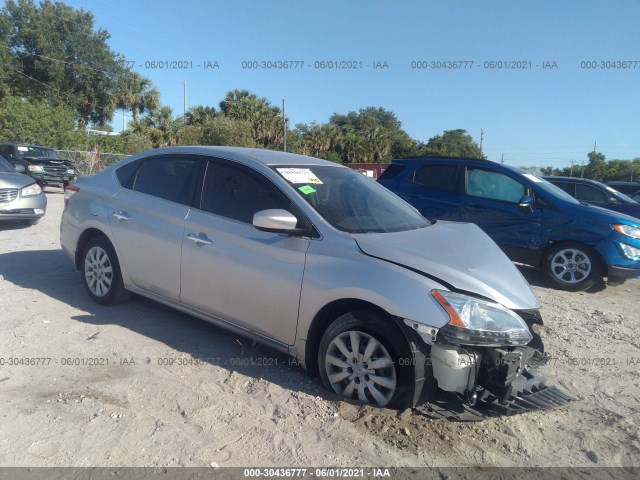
x,y
228,131
59,57
161,127
452,143
136,94
199,114
596,169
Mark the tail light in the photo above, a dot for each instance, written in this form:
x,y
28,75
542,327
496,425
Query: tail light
x,y
69,191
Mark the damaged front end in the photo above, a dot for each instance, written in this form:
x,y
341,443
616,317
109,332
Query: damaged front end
x,y
481,363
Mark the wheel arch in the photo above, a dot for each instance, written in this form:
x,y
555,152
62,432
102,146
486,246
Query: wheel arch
x,y
326,315
84,238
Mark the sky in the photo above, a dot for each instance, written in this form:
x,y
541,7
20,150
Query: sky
x,y
531,116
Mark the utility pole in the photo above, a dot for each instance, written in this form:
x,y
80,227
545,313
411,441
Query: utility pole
x,y
502,159
571,173
284,127
582,169
481,137
184,108
632,167
123,119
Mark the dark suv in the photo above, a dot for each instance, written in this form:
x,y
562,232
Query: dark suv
x,y
43,164
532,220
597,193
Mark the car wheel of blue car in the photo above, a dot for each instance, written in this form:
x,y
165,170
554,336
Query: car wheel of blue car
x,y
572,266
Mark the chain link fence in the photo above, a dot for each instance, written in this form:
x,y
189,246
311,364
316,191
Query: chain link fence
x,y
87,162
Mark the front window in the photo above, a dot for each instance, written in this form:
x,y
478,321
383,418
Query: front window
x,y
29,151
5,166
494,185
350,201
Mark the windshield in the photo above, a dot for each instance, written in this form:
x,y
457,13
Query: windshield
x,y
351,202
620,196
29,151
5,166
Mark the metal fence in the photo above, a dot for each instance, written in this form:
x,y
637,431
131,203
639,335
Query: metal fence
x,y
87,162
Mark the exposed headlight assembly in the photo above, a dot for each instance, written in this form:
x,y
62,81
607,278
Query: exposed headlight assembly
x,y
71,171
628,230
31,190
36,168
476,322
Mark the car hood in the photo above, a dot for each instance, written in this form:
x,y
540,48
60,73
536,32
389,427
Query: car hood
x,y
458,255
47,161
596,214
14,180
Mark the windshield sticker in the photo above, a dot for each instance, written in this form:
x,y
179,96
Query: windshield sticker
x,y
307,189
299,175
23,149
533,178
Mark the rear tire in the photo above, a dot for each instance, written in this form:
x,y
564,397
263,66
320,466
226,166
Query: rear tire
x,y
572,266
363,357
101,273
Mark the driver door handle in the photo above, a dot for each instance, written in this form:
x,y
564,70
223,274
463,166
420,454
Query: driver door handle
x,y
200,239
121,215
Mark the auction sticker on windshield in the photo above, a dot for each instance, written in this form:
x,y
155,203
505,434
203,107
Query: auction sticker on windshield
x,y
299,175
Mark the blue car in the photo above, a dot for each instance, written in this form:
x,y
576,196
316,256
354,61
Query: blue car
x,y
532,220
598,194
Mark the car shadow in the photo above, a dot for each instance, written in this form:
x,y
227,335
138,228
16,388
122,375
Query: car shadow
x,y
6,225
535,277
52,273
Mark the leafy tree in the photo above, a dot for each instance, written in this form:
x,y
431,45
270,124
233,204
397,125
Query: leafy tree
x,y
199,114
452,143
596,168
59,57
161,127
36,122
136,94
228,131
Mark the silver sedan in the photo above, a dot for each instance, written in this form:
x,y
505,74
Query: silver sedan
x,y
310,258
20,197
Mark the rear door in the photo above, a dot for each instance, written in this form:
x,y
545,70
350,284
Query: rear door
x,y
147,220
232,270
491,201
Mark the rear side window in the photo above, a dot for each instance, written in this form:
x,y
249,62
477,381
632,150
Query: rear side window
x,y
590,194
493,185
171,178
437,177
391,171
567,187
238,193
127,174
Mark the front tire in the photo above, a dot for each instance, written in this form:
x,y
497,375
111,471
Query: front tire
x,y
572,266
359,358
101,272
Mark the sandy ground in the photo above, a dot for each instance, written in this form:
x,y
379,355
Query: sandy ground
x,y
142,385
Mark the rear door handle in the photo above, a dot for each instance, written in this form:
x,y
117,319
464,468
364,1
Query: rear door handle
x,y
121,215
200,239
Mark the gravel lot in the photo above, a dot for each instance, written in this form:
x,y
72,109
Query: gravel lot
x,y
109,395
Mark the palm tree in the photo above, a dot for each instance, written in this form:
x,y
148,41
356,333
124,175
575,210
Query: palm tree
x,y
199,114
135,93
162,127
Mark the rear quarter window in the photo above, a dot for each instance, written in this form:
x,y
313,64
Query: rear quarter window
x,y
391,171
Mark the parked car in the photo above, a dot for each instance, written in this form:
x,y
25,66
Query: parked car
x,y
597,193
628,188
533,221
636,196
318,261
20,197
43,164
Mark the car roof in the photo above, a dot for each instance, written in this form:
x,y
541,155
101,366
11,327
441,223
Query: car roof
x,y
458,161
551,178
266,157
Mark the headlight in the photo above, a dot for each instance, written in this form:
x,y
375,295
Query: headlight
x,y
476,322
628,230
31,190
36,168
71,171
632,253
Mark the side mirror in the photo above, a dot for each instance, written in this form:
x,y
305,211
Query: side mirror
x,y
276,220
526,203
19,168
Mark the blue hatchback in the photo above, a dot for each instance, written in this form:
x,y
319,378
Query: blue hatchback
x,y
533,221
